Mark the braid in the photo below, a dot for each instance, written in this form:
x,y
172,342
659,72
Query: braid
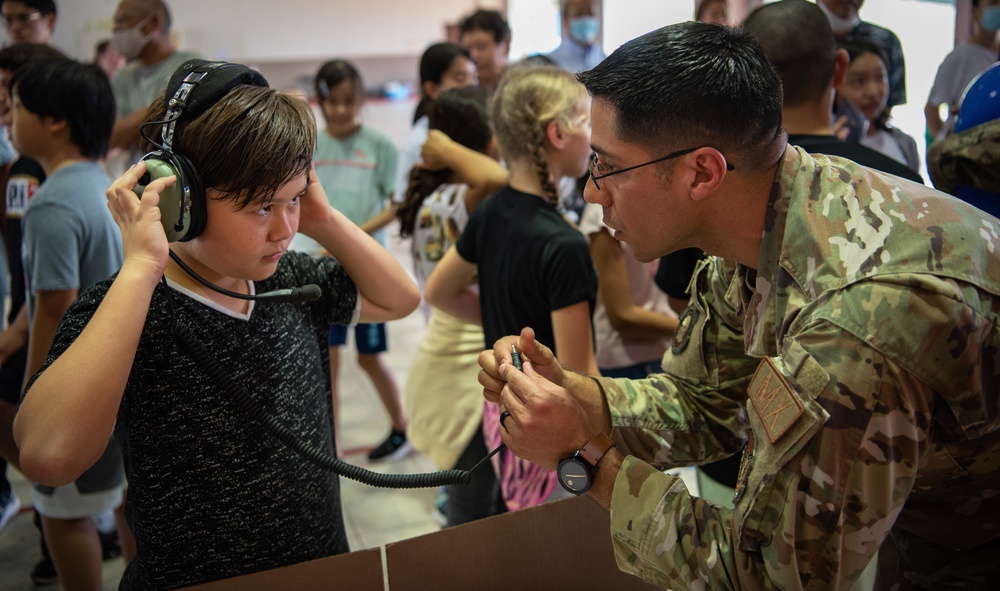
x,y
527,100
541,163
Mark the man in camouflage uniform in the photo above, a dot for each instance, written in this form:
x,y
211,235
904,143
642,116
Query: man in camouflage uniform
x,y
853,344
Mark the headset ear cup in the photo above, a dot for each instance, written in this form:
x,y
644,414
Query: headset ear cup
x,y
182,204
190,181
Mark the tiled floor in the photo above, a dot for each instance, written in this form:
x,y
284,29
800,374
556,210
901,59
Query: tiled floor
x,y
373,516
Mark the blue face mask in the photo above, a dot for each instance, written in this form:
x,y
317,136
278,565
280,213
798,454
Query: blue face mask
x,y
991,18
584,29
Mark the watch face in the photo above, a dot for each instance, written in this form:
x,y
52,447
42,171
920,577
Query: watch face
x,y
574,475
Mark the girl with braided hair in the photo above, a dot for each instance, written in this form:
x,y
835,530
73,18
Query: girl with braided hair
x,y
532,267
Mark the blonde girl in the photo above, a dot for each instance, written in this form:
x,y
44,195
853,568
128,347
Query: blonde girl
x,y
533,268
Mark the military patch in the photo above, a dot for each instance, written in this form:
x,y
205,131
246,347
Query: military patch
x,y
746,463
776,404
684,327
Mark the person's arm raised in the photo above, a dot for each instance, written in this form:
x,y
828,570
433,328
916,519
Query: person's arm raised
x,y
631,321
387,292
483,174
67,416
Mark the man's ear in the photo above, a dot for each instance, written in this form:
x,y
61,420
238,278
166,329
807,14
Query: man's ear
x,y
707,168
156,23
554,133
840,64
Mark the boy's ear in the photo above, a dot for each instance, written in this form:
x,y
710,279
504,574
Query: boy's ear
x,y
56,124
841,63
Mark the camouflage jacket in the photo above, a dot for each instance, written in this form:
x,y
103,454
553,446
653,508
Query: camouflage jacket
x,y
860,362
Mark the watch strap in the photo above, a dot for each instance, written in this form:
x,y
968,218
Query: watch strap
x,y
596,448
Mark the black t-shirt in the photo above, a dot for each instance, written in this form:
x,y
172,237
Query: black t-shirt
x,y
530,261
675,270
213,494
25,177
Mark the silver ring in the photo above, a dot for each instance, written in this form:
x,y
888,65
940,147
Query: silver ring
x,y
503,417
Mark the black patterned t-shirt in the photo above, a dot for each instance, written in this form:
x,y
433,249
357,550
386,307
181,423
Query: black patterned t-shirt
x,y
211,493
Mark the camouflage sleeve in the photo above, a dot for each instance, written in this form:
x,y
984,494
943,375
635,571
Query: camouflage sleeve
x,y
694,412
835,437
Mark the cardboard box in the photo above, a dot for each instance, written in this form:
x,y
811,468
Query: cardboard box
x,y
561,545
357,571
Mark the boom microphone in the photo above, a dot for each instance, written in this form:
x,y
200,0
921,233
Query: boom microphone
x,y
305,293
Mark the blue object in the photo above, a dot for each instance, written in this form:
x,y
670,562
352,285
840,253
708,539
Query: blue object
x,y
984,200
981,101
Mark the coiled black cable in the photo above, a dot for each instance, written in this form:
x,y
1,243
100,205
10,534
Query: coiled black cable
x,y
310,452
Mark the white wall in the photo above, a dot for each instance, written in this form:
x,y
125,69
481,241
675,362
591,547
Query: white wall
x,y
254,30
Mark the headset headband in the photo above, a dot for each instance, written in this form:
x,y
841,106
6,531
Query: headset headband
x,y
184,103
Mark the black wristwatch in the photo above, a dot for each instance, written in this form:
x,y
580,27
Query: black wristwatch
x,y
576,473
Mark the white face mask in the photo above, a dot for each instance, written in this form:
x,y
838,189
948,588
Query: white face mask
x,y
130,42
840,25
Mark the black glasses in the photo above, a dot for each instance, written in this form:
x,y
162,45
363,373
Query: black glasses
x,y
23,18
596,167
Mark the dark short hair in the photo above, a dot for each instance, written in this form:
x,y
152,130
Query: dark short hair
x,y
334,72
694,84
15,57
461,114
799,43
42,6
85,100
855,48
436,60
248,144
858,47
490,21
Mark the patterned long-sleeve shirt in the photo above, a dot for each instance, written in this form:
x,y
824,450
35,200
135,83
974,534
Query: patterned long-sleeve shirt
x,y
860,363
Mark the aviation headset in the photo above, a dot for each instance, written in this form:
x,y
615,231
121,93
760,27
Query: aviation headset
x,y
195,86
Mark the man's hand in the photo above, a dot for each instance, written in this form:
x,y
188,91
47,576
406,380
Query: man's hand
x,y
546,423
540,356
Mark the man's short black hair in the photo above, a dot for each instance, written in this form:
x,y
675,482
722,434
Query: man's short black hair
x,y
42,6
490,21
84,100
694,84
799,43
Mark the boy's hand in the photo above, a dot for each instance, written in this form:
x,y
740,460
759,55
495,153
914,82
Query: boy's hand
x,y
314,207
143,238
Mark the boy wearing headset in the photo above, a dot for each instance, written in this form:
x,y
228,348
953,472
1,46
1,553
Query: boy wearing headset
x,y
211,493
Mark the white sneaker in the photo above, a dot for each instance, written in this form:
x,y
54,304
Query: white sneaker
x,y
10,510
